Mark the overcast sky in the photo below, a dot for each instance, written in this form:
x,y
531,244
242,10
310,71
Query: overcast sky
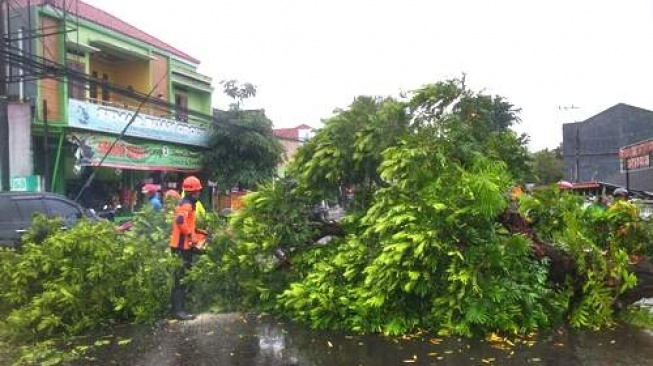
x,y
559,61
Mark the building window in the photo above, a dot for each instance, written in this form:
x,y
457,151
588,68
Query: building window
x,y
304,134
76,87
92,87
106,97
181,107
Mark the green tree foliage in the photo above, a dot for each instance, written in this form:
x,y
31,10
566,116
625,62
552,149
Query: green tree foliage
x,y
61,284
248,271
470,122
600,244
548,166
347,151
237,91
67,282
422,248
243,151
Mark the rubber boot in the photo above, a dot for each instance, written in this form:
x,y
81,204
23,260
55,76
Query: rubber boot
x,y
178,305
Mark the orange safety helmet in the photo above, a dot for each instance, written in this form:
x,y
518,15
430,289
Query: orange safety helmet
x,y
191,184
172,193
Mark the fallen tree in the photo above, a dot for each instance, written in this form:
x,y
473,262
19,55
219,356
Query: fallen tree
x,y
421,246
563,266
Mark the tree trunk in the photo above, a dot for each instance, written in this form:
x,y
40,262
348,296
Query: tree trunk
x,y
562,266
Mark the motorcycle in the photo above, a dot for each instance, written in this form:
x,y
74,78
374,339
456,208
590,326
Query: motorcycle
x,y
108,212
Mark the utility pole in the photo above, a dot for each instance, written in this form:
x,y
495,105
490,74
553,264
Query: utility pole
x,y
4,110
46,147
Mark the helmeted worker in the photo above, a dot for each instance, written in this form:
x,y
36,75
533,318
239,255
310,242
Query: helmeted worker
x,y
183,240
171,198
199,207
172,194
620,194
151,192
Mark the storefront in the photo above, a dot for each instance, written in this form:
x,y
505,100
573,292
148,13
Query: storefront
x,y
153,149
123,167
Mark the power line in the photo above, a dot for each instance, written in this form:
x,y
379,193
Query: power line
x,y
33,33
43,68
36,67
115,141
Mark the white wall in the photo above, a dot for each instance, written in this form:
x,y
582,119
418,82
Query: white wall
x,y
20,140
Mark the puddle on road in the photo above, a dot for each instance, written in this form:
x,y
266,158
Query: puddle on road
x,y
233,339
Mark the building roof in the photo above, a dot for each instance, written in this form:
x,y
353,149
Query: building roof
x,y
621,110
102,18
290,133
584,187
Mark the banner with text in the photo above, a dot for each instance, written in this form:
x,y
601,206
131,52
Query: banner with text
x,y
636,156
91,148
97,117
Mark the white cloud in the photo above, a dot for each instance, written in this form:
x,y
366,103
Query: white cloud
x,y
309,57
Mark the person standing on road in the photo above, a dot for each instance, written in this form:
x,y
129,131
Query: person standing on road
x,y
199,207
183,240
151,192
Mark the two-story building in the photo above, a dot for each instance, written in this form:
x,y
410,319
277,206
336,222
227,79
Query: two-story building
x,y
77,78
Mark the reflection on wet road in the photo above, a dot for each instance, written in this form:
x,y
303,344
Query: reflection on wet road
x,y
234,339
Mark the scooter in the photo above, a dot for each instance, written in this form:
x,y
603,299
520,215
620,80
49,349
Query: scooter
x,y
109,212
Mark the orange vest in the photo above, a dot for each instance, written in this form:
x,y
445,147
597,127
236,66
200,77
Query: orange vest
x,y
183,226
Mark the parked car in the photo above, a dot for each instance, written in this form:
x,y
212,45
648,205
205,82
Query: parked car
x,y
18,208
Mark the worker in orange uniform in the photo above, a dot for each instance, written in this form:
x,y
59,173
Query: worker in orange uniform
x,y
183,241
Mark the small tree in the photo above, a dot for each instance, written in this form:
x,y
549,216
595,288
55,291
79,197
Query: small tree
x,y
243,151
548,166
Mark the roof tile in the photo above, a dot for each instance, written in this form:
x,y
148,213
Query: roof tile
x,y
101,17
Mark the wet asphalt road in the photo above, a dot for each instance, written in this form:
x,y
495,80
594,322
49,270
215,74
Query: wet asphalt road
x,y
234,339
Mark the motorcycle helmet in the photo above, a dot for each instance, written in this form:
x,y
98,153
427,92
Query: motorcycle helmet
x,y
149,189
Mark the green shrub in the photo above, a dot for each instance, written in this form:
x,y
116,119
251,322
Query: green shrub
x,y
71,281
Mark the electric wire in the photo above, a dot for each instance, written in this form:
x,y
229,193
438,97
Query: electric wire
x,y
37,67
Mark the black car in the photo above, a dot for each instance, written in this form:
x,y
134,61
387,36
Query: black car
x,y
18,208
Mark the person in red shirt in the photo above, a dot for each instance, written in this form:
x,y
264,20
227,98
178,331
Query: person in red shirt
x,y
183,242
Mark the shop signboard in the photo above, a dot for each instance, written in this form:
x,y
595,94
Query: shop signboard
x,y
637,162
141,155
636,156
30,183
102,118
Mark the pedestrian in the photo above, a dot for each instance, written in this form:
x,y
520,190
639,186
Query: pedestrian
x,y
151,192
183,242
